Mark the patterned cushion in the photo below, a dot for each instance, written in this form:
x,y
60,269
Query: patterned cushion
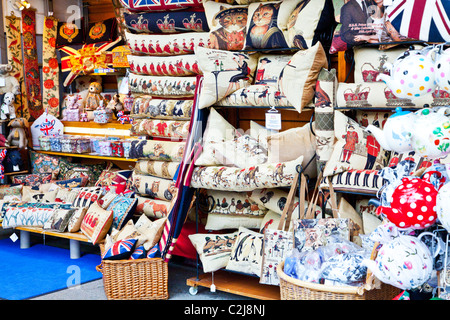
x,y
177,66
152,208
123,209
76,219
70,170
87,196
71,183
154,252
102,31
138,253
32,180
154,187
120,250
111,177
96,223
59,220
246,262
134,5
163,87
162,169
43,163
151,230
146,106
69,34
160,128
157,150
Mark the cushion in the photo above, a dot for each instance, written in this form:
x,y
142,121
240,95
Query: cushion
x,y
265,25
70,170
292,143
123,209
59,220
76,219
269,175
10,190
71,183
233,203
225,221
152,208
162,169
160,128
162,22
96,223
298,79
163,87
157,150
152,230
70,33
87,196
176,66
32,179
107,198
43,163
138,253
353,180
227,24
357,28
223,73
120,250
401,15
378,95
255,96
166,44
154,252
129,231
246,253
213,249
347,211
218,130
354,149
158,5
27,215
101,31
310,21
154,187
144,106
260,132
111,177
66,195
240,152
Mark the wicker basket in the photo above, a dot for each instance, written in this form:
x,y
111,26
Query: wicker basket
x,y
373,289
141,279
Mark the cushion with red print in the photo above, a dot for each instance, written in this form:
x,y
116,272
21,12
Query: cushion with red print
x,y
87,196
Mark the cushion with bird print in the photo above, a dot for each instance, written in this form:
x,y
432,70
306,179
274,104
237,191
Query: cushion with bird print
x,y
176,66
227,24
246,254
163,87
213,249
233,203
166,44
176,129
146,106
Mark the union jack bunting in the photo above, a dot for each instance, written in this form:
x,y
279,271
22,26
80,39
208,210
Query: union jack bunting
x,y
121,249
160,5
426,20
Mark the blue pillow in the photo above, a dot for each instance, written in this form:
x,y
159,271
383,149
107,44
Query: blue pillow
x,y
123,210
139,253
154,252
120,250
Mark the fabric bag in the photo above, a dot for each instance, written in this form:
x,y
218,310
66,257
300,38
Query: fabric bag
x,y
279,242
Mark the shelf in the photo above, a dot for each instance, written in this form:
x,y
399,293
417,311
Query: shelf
x,y
78,236
85,155
235,283
15,173
93,125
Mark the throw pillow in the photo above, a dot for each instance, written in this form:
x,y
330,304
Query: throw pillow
x,y
160,128
43,163
96,223
176,66
101,31
223,73
111,177
152,230
354,149
123,209
163,87
213,249
157,150
146,106
158,5
162,169
233,203
87,196
246,253
70,170
32,180
120,250
76,219
152,208
59,220
154,187
224,221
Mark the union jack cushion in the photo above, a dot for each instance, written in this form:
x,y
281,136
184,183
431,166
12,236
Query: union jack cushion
x,y
120,250
154,252
421,19
139,253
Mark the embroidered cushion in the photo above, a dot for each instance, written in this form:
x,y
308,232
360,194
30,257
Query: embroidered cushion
x,y
176,66
146,106
163,87
246,254
102,31
138,253
76,219
153,208
120,250
32,180
87,196
70,33
151,230
123,209
162,169
96,223
160,128
70,170
134,5
59,220
154,187
223,73
157,150
166,22
43,163
111,177
154,252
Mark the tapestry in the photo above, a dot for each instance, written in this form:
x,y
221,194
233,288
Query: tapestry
x,y
50,67
31,67
157,5
15,59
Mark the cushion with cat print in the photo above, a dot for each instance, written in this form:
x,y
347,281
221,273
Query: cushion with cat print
x,y
227,24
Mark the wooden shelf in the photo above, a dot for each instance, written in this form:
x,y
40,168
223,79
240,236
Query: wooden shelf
x,y
85,155
14,173
91,124
235,283
78,236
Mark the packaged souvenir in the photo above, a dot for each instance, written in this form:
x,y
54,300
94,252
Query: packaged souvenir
x,y
44,142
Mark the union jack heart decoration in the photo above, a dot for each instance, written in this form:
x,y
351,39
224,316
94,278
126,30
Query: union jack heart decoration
x,y
421,19
121,249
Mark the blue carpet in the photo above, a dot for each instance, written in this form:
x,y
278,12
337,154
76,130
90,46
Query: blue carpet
x,y
40,269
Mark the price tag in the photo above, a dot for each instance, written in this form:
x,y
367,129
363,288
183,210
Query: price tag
x,y
273,119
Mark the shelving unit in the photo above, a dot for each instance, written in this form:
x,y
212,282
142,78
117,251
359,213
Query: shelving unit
x,y
86,156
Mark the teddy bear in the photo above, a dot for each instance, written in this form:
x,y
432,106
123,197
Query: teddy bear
x,y
7,108
93,98
17,135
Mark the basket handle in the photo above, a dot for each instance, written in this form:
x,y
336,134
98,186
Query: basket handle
x,y
371,281
99,268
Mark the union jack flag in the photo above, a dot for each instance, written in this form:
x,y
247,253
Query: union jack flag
x,y
121,249
426,20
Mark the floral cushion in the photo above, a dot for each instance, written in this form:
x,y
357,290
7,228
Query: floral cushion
x,y
43,163
10,190
27,215
70,170
123,209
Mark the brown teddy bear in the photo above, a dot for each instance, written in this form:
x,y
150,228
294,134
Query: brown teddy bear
x,y
17,135
93,98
